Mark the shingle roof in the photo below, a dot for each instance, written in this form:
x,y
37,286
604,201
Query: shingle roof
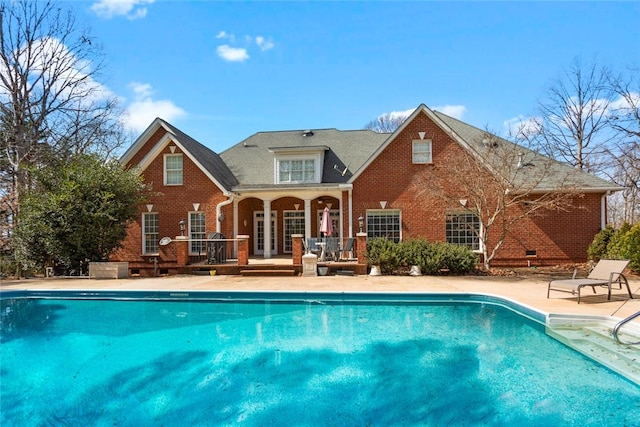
x,y
251,160
250,164
207,158
545,172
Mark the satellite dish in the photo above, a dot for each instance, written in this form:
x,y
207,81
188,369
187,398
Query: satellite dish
x,y
165,241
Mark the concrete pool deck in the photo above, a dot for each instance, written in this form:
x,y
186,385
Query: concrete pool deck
x,y
528,291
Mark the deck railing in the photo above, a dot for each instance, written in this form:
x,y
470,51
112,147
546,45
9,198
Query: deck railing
x,y
213,251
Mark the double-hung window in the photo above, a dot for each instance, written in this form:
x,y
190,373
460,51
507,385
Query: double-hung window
x,y
197,233
422,151
463,229
150,233
384,223
299,170
173,169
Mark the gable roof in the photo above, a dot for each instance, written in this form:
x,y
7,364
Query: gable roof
x,y
251,160
207,160
548,174
250,163
554,175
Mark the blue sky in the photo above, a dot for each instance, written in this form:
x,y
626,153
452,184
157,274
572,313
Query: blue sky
x,y
221,71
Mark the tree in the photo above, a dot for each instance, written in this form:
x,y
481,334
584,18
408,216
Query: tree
x,y
572,125
386,123
501,184
77,212
624,154
52,108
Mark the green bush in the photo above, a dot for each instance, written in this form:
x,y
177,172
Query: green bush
x,y
618,244
598,248
384,253
431,257
614,247
629,248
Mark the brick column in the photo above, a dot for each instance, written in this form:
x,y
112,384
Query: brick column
x,y
361,247
243,249
182,251
298,248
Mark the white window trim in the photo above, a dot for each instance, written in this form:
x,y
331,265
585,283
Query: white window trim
x,y
164,168
480,249
413,151
374,211
189,232
316,157
143,234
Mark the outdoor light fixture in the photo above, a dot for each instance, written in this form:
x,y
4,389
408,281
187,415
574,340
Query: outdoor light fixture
x,y
361,222
221,217
181,227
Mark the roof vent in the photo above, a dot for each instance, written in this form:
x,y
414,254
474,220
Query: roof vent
x,y
307,133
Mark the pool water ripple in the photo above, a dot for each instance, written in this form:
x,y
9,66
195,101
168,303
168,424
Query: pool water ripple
x,y
340,363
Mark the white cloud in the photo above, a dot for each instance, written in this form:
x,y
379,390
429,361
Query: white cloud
x,y
232,54
397,114
455,111
521,126
264,44
131,9
144,109
237,48
53,67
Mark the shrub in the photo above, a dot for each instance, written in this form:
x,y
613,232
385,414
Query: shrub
x,y
383,252
614,247
598,248
629,247
431,257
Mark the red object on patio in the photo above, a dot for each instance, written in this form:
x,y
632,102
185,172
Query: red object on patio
x,y
326,226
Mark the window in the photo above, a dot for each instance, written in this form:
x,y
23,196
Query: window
x,y
173,169
383,223
463,229
150,233
293,224
197,233
422,151
300,170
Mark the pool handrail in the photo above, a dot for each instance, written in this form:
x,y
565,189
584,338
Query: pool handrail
x,y
620,324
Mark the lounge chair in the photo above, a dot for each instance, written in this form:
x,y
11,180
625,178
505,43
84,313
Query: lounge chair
x,y
605,273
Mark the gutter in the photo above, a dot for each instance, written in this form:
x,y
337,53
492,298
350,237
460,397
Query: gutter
x,y
219,206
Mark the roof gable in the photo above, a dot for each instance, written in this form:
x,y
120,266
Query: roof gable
x,y
252,160
473,140
205,159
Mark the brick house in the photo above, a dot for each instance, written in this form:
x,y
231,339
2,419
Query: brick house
x,y
291,176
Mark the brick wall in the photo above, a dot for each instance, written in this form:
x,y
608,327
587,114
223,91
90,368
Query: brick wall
x,y
173,203
392,177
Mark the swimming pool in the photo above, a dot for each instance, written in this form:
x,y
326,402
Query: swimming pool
x,y
294,359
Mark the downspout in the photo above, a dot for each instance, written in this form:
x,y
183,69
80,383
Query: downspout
x,y
603,210
219,206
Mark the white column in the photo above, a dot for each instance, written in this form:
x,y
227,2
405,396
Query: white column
x,y
267,228
235,227
350,209
307,218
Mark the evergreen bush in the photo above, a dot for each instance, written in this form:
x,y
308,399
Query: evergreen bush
x,y
598,248
432,257
629,247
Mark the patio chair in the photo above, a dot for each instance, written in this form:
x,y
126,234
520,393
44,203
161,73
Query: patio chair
x,y
332,248
347,250
605,273
311,245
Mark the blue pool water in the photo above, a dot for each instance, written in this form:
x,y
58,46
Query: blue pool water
x,y
322,362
